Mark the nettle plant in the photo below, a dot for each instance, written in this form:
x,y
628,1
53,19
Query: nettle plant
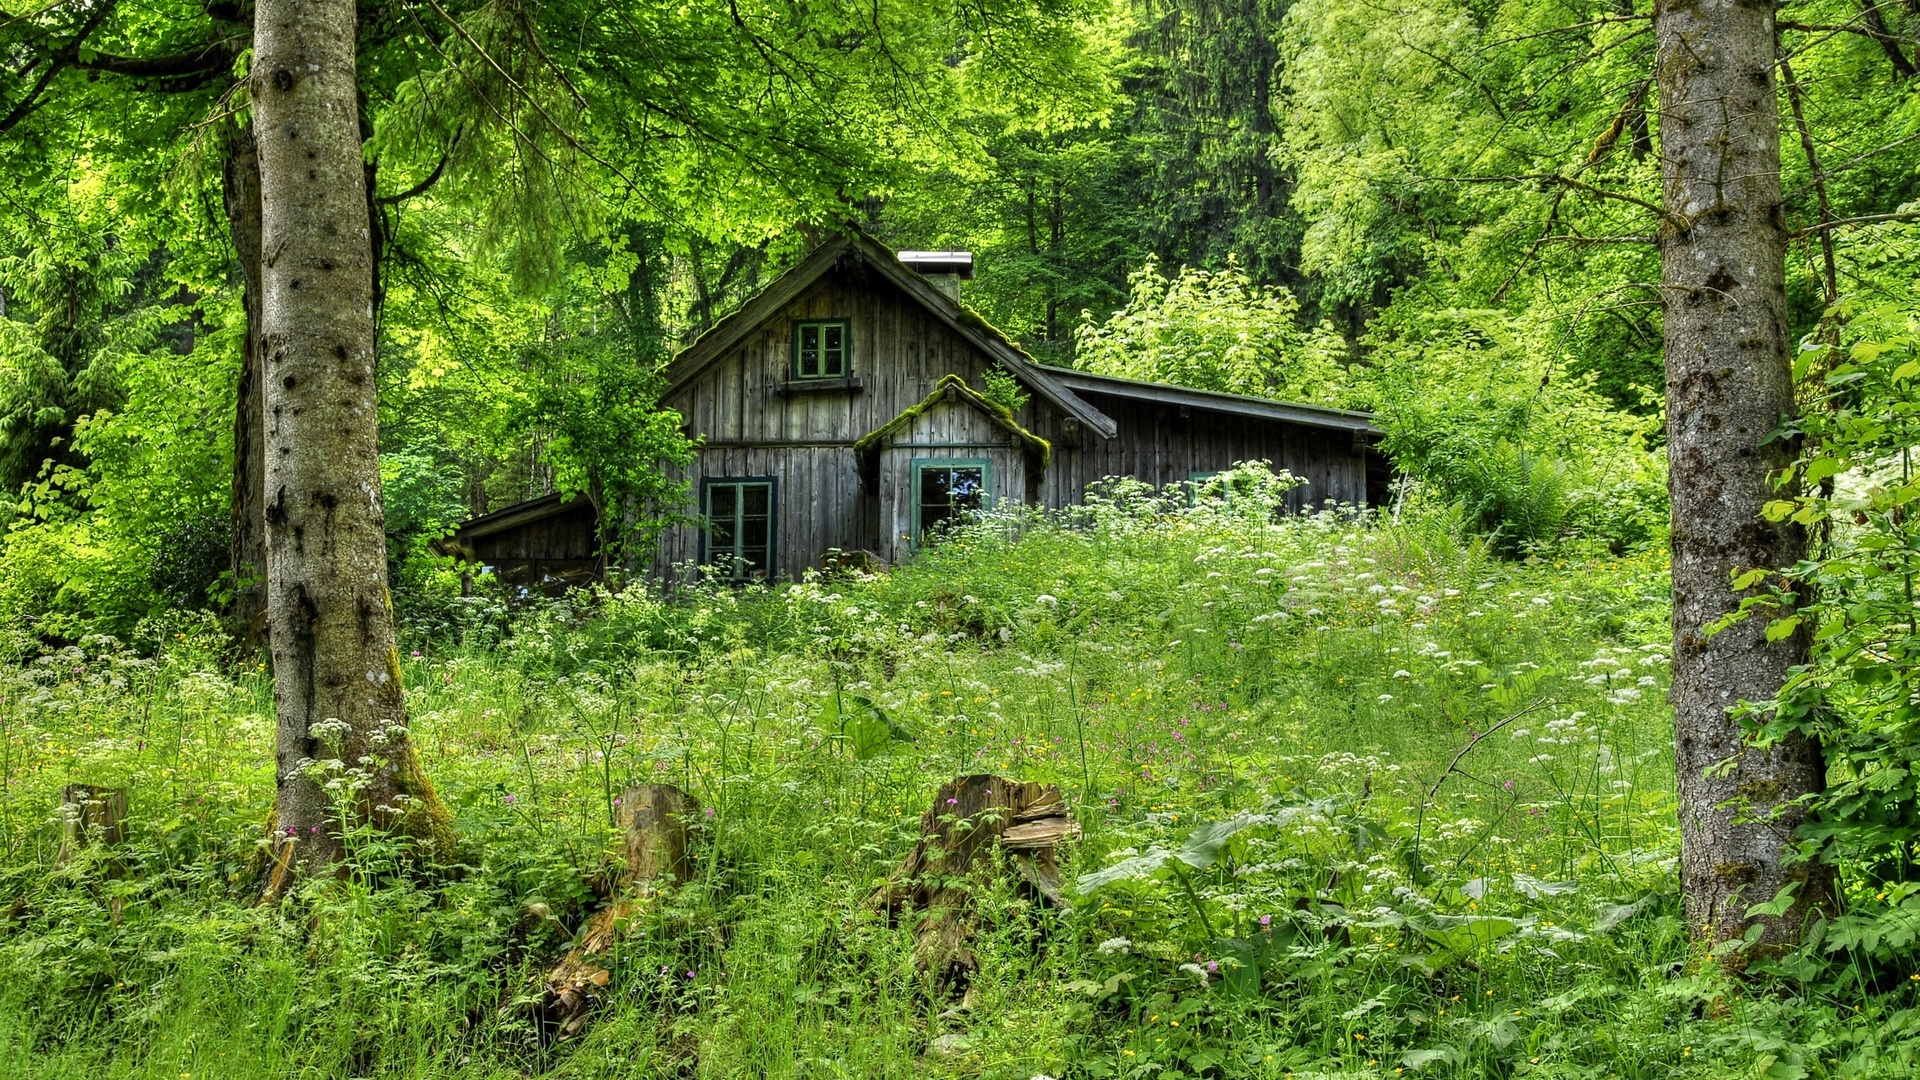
x,y
1854,488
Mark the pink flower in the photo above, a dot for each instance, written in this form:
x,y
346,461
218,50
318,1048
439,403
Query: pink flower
x,y
1266,920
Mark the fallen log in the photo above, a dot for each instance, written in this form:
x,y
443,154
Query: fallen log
x,y
653,821
976,824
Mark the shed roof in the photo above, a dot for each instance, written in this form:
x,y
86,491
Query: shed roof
x,y
511,517
962,320
1212,401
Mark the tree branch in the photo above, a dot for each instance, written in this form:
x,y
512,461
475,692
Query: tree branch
x,y
56,63
432,177
1865,219
1558,178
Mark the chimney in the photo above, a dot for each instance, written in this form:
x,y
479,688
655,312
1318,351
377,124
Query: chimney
x,y
944,270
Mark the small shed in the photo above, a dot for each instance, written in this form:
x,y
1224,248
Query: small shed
x,y
546,544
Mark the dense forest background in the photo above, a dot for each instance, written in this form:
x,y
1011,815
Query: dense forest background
x,y
1443,212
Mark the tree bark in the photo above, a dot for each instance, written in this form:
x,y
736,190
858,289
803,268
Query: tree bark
x,y
247,543
343,756
1729,385
654,822
974,821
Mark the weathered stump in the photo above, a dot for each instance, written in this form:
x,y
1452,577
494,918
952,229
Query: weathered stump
x,y
653,820
975,822
90,815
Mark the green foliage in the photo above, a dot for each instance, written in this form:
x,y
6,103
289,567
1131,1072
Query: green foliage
x,y
1852,487
1533,456
1264,702
1216,330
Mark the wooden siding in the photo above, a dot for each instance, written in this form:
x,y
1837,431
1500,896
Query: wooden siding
x,y
757,422
949,430
1160,446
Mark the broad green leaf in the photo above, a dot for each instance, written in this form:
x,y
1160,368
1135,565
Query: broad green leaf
x,y
1536,888
1418,1060
1781,629
1462,935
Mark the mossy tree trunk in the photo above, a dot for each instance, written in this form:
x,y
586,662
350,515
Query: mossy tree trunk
x,y
344,758
1729,386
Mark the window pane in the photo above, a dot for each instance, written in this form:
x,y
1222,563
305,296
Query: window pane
x,y
834,338
720,499
753,533
968,487
933,487
810,337
757,498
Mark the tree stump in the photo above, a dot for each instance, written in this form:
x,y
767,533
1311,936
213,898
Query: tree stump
x,y
90,814
972,819
653,820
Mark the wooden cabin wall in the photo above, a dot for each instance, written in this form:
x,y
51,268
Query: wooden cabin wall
x,y
806,438
565,536
819,504
948,430
899,353
1159,446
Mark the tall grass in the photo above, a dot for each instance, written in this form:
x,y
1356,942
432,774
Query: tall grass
x,y
1308,680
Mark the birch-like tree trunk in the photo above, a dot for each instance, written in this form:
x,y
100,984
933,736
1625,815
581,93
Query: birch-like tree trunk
x,y
1729,385
343,756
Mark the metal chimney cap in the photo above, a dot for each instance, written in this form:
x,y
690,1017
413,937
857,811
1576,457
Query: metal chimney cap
x,y
958,263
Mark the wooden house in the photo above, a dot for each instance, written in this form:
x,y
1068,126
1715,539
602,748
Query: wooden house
x,y
841,410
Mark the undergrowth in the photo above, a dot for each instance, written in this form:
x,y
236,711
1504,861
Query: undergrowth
x,y
1357,799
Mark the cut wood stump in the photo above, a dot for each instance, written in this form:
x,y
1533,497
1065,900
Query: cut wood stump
x,y
653,820
90,815
976,824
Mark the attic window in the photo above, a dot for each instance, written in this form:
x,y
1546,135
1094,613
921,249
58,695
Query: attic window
x,y
821,349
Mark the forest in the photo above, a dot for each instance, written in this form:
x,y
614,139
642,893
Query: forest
x,y
1592,749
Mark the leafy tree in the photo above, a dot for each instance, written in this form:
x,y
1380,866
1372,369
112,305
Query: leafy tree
x,y
1215,330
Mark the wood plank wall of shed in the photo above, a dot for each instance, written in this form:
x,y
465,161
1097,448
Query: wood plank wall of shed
x,y
567,535
948,430
1159,446
899,353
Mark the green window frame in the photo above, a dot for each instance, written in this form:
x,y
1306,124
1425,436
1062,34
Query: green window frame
x,y
823,349
738,534
944,489
1197,478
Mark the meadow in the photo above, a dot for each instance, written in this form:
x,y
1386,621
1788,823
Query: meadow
x,y
1357,798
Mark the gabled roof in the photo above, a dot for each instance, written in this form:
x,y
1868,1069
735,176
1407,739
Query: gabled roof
x,y
1212,401
729,331
954,388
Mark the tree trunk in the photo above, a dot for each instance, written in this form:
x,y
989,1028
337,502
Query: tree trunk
x,y
1723,258
90,815
343,756
247,543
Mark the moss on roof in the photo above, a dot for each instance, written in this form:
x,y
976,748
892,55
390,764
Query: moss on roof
x,y
952,386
